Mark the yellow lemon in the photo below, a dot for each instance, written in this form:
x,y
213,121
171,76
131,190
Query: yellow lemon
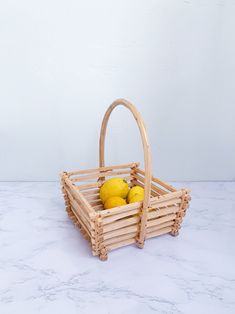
x,y
136,198
136,190
114,187
114,201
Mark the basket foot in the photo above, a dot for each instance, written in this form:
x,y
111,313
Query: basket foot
x,y
139,244
103,257
174,233
103,254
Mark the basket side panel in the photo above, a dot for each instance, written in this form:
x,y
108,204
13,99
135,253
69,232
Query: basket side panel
x,y
120,227
92,175
166,213
161,187
185,199
158,187
76,210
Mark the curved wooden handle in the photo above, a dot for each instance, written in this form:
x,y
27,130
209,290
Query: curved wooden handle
x,y
147,157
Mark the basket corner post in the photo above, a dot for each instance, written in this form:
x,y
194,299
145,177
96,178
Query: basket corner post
x,y
140,239
185,198
103,254
140,244
98,247
63,175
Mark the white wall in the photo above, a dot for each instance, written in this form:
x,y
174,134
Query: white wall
x,y
63,62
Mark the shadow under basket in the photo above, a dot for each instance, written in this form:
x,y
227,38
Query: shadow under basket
x,y
161,211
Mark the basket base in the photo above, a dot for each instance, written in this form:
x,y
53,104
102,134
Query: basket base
x,y
108,230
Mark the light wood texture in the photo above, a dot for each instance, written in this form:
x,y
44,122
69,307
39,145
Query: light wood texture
x,y
107,220
180,214
102,169
120,244
167,197
93,185
160,226
158,232
163,184
153,192
147,157
174,201
80,198
121,224
118,232
78,209
161,211
91,192
161,220
120,238
158,190
93,197
119,209
100,175
88,186
81,221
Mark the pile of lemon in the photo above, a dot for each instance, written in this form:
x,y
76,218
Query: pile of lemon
x,y
115,192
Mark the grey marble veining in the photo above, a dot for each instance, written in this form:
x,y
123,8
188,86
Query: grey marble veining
x,y
46,266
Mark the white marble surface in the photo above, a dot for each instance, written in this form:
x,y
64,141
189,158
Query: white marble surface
x,y
46,266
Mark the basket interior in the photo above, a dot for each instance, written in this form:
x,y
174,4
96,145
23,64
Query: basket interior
x,y
88,182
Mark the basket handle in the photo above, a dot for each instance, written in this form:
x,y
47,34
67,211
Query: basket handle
x,y
147,158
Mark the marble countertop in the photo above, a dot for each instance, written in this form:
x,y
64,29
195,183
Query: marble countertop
x,y
47,267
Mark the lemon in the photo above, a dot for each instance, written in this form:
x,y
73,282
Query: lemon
x,y
136,190
114,187
114,201
136,198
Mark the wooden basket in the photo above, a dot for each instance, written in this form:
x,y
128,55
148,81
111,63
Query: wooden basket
x,y
161,211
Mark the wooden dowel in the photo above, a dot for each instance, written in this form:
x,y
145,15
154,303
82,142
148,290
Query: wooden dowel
x,y
165,185
120,224
81,222
147,158
100,175
107,168
73,197
153,187
160,226
120,244
77,205
94,203
94,233
119,209
165,197
158,232
88,186
166,203
128,179
91,192
161,212
111,234
159,221
119,238
92,197
98,207
134,228
80,198
80,212
109,219
136,182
